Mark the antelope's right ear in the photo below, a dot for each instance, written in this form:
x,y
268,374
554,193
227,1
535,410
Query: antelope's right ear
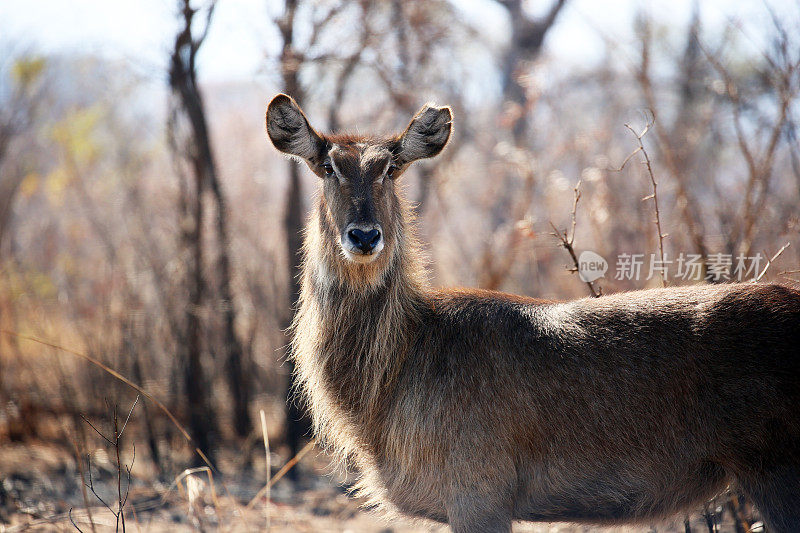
x,y
289,130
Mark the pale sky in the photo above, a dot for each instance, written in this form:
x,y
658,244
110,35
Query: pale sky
x,y
141,30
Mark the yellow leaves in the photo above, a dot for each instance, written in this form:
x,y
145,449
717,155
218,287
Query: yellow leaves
x,y
76,134
41,285
30,184
25,72
78,141
52,185
28,283
65,261
55,183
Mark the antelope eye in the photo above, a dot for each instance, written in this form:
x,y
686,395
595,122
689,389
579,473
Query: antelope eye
x,y
328,169
391,171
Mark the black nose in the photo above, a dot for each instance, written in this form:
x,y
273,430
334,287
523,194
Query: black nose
x,y
365,241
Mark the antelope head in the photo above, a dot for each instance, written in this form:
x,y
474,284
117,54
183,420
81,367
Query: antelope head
x,y
360,208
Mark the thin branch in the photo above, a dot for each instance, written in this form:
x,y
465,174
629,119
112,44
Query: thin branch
x,y
128,470
202,37
759,165
577,197
772,260
653,196
625,162
687,203
120,511
129,416
91,485
73,521
122,499
96,430
79,461
319,25
567,240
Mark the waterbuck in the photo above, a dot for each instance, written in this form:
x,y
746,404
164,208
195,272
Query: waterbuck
x,y
477,408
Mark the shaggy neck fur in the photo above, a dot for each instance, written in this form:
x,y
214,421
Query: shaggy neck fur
x,y
353,328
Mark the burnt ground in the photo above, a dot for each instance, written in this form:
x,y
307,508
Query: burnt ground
x,y
41,483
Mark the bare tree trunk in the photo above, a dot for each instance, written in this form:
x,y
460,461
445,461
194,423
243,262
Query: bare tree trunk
x,y
527,38
184,85
298,421
201,415
236,362
182,81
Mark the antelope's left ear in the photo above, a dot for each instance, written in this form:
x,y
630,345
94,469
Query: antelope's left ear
x,y
427,133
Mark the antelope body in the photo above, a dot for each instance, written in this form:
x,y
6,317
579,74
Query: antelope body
x,y
477,408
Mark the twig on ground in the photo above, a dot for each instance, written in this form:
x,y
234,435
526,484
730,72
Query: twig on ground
x,y
268,467
143,506
282,472
191,471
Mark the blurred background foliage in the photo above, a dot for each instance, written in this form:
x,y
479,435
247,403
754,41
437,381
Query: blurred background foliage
x,y
146,222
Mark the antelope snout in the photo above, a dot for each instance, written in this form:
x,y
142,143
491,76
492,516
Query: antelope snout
x,y
362,243
365,241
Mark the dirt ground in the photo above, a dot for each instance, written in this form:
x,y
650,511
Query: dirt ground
x,y
41,483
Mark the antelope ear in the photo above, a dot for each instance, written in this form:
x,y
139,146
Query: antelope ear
x,y
289,130
426,134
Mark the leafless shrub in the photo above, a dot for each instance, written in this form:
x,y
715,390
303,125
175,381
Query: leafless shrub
x,y
123,470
